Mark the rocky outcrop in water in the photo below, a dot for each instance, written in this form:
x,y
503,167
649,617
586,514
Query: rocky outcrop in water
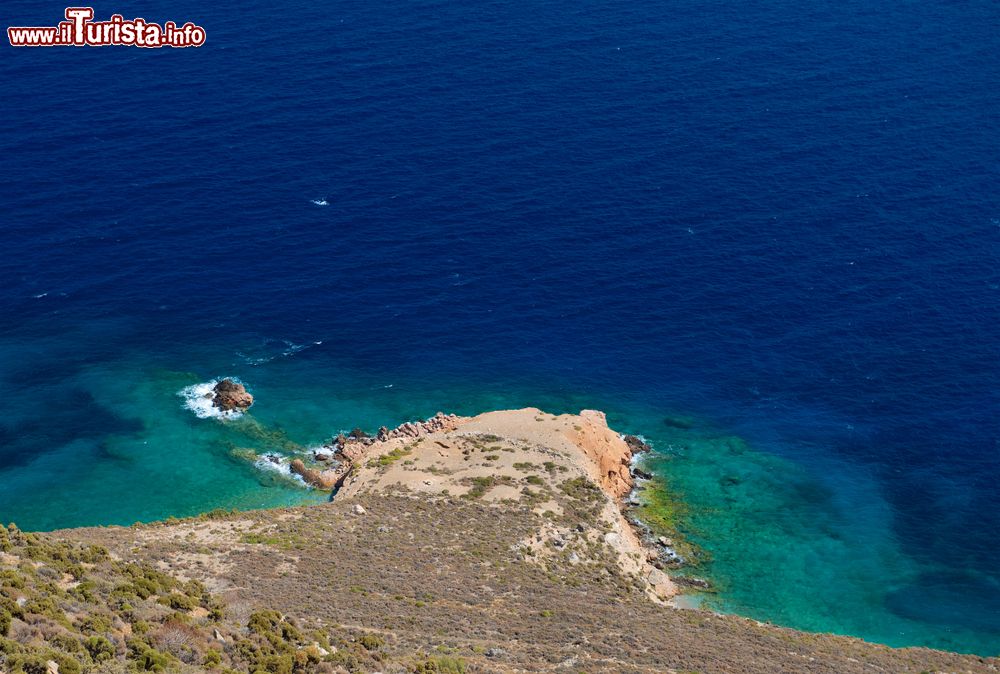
x,y
321,479
636,444
350,449
231,396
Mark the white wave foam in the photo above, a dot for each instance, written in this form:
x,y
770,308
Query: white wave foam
x,y
252,360
276,463
287,348
320,202
293,348
198,399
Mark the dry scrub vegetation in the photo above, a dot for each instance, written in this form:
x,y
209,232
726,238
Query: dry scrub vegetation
x,y
440,585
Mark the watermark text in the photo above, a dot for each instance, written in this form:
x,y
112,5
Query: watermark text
x,y
80,30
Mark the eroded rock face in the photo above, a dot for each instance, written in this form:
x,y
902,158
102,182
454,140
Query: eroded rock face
x,y
607,450
661,583
231,395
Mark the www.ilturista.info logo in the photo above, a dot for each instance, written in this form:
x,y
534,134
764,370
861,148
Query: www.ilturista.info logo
x,y
80,30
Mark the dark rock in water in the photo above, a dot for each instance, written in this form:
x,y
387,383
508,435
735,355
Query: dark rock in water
x,y
692,582
640,473
684,423
231,396
730,481
321,456
635,444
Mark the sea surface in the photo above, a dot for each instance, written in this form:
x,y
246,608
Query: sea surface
x,y
779,220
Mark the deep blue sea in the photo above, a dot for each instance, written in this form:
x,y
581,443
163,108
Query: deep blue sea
x,y
781,219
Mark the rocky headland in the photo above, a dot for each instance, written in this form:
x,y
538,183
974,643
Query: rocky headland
x,y
505,542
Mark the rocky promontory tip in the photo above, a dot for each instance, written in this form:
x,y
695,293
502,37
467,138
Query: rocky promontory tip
x,y
321,479
230,396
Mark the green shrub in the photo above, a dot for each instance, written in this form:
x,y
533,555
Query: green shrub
x,y
389,458
84,591
213,658
96,623
371,642
145,658
100,648
179,602
66,642
11,578
30,664
37,663
263,622
441,664
581,488
276,664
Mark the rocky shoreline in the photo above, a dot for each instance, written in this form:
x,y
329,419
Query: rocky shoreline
x,y
511,541
617,471
611,459
335,460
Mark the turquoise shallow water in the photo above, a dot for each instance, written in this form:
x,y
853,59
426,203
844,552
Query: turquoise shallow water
x,y
808,544
810,547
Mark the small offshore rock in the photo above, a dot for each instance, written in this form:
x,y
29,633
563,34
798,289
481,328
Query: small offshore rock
x,y
231,396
